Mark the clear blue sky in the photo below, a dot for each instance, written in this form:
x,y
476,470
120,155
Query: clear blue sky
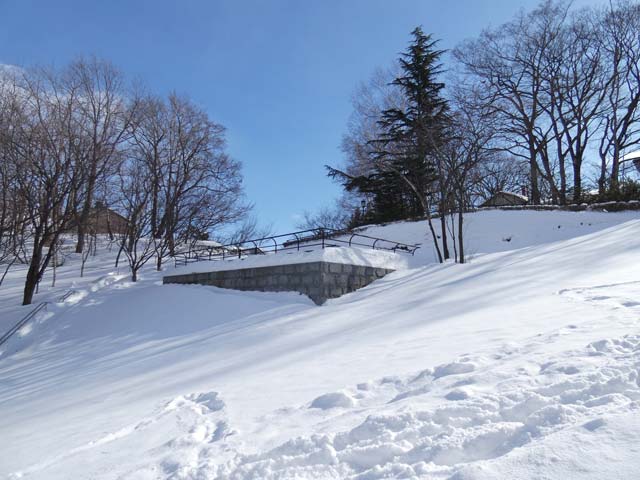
x,y
278,74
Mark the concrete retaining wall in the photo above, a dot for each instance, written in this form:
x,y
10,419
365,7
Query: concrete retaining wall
x,y
318,280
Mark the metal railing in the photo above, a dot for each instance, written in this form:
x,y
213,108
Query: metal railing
x,y
294,241
29,316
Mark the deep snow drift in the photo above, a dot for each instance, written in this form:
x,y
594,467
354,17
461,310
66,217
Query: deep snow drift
x,y
524,363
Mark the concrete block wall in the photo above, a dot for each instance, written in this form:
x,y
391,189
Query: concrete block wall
x,y
318,280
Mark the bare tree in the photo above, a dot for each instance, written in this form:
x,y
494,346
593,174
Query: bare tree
x,y
509,62
44,151
74,136
369,100
12,215
467,151
565,83
576,85
617,34
87,252
499,172
194,185
137,241
332,218
105,111
248,229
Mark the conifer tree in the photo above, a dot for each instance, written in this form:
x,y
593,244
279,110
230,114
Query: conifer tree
x,y
412,136
406,177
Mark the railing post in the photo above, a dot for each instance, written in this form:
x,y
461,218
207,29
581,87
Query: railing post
x,y
322,235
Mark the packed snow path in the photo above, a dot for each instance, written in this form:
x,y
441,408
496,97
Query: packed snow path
x,y
522,364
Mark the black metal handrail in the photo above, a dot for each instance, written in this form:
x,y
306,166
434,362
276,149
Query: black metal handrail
x,y
29,316
311,238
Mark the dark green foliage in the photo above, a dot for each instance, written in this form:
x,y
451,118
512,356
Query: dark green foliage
x,y
403,172
391,199
412,133
627,190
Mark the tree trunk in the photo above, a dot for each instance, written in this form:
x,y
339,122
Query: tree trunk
x,y
577,182
427,210
460,235
31,281
453,239
8,267
602,179
614,184
171,242
55,268
435,238
562,197
443,227
81,234
424,201
119,253
533,173
86,209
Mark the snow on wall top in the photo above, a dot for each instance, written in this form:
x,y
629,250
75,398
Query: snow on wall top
x,y
353,256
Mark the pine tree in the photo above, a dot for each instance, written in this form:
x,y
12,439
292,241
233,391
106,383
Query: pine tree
x,y
405,176
413,135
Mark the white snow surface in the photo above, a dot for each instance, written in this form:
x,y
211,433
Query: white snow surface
x,y
523,363
338,254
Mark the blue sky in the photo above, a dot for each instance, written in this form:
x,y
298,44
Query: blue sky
x,y
278,74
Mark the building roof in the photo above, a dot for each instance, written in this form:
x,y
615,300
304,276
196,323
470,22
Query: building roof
x,y
510,197
511,194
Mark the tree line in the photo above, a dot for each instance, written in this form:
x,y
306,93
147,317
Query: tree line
x,y
546,105
75,137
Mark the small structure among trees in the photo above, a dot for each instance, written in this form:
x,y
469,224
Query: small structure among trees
x,y
505,199
102,220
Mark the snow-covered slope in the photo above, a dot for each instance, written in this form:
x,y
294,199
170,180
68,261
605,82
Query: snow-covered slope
x,y
520,364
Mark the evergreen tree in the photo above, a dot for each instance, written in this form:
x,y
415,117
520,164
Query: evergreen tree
x,y
406,177
412,135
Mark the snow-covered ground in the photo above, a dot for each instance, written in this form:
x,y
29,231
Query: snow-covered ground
x,y
524,363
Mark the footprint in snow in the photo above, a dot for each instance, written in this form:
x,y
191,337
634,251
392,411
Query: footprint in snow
x,y
454,368
457,394
210,400
333,400
472,427
593,425
554,368
201,422
207,402
365,386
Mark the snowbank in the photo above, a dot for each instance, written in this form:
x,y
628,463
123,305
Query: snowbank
x,y
522,363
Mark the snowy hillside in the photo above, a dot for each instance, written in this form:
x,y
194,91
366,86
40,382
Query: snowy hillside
x,y
520,364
